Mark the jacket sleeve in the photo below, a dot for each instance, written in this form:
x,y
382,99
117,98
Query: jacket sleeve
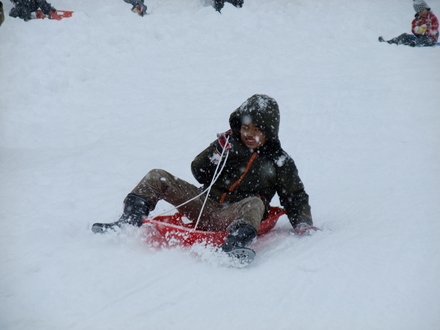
x,y
291,192
205,163
414,26
433,29
432,26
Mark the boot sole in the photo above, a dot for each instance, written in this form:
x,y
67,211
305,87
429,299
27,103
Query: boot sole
x,y
101,229
241,257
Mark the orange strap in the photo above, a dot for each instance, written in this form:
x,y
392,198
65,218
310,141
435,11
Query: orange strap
x,y
248,166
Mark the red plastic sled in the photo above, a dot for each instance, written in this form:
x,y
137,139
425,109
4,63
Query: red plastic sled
x,y
59,15
174,231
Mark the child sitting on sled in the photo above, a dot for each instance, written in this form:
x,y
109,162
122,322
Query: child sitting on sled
x,y
424,27
138,7
24,8
240,172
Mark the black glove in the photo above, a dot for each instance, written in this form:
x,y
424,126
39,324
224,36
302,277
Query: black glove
x,y
223,145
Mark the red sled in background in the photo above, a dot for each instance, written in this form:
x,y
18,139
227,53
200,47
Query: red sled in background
x,y
58,15
173,230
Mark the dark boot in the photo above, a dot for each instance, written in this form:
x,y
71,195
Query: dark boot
x,y
237,244
393,41
136,208
237,3
240,237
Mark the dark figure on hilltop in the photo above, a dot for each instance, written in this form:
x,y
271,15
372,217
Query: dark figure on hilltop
x,y
24,8
138,6
218,4
2,13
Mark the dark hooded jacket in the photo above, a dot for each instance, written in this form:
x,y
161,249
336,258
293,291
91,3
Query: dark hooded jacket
x,y
271,171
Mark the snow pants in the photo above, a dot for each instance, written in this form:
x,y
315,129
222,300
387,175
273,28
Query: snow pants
x,y
412,40
161,185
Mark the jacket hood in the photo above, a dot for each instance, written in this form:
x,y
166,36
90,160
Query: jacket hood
x,y
260,109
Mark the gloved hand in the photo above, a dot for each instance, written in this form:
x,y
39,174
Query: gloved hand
x,y
421,29
224,145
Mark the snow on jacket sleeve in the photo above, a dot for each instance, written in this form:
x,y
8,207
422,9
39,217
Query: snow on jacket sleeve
x,y
205,163
291,192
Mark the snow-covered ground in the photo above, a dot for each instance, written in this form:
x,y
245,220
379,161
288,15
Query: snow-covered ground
x,y
91,103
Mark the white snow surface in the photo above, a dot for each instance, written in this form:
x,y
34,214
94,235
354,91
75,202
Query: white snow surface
x,y
91,103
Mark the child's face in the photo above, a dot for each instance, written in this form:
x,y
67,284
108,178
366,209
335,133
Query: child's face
x,y
252,136
423,13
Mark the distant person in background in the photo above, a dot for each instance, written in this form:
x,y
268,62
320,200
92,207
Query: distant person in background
x,y
24,8
218,4
2,13
138,7
424,27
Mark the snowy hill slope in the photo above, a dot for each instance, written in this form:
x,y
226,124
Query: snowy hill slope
x,y
91,103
